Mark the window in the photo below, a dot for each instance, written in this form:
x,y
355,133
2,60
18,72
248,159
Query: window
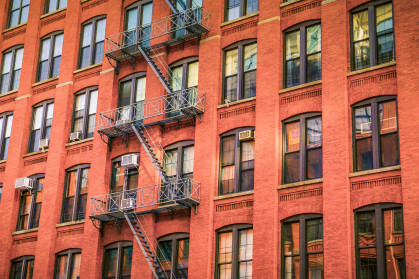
x,y
174,255
183,5
84,112
302,247
41,124
30,205
22,268
53,5
234,252
117,261
372,35
75,193
92,42
239,8
184,76
132,91
6,120
1,190
240,71
379,242
302,158
136,15
237,163
375,130
18,12
67,264
303,57
10,71
50,56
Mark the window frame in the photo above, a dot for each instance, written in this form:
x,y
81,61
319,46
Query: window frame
x,y
79,169
180,147
46,7
139,5
20,13
242,10
174,238
237,161
380,245
24,260
70,267
52,37
240,69
93,42
116,245
185,64
235,228
126,172
302,118
133,78
1,190
13,50
87,91
372,35
302,27
44,104
5,116
302,253
375,133
33,195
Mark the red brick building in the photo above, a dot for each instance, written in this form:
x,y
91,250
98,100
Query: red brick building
x,y
249,139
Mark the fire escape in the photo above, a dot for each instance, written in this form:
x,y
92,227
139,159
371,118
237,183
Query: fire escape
x,y
139,118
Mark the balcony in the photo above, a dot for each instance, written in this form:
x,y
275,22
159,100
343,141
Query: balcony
x,y
180,193
174,107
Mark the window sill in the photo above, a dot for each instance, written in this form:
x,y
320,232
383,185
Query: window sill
x,y
238,19
87,68
54,12
285,90
229,196
78,142
34,153
44,81
300,183
25,231
8,93
236,102
385,65
289,3
361,173
14,27
2,161
69,223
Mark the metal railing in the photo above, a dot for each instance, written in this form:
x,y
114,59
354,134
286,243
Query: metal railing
x,y
185,191
190,18
188,99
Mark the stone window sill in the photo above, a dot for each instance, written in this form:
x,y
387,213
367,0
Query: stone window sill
x,y
301,183
25,231
8,93
285,90
236,102
53,12
69,223
288,3
229,196
87,68
78,142
238,19
385,65
44,81
34,153
14,27
361,173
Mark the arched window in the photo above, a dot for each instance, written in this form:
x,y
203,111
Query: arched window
x,y
92,41
10,71
234,251
41,124
117,260
30,204
174,255
302,159
67,264
138,14
22,268
50,56
302,247
132,91
84,112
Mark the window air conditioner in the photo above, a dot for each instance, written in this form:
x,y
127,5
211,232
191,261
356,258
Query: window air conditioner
x,y
75,136
129,161
121,122
43,144
127,204
247,135
24,183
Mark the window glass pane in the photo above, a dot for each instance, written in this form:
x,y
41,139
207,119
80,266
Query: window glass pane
x,y
227,179
56,66
231,89
314,163
225,271
362,54
233,9
43,71
18,59
39,191
314,67
58,46
71,183
110,263
292,267
291,233
126,261
245,270
177,76
8,129
63,3
188,159
132,181
313,38
100,30
364,158
249,84
87,35
15,4
388,117
61,267
292,44
75,269
132,18
4,82
24,14
14,18
1,190
225,250
98,52
384,18
16,270
7,60
147,14
248,151
314,132
84,181
360,25
166,254
26,203
118,177
363,122
292,137
93,102
368,263
34,142
232,57
366,229
193,74
91,126
50,113
247,165
52,5
79,106
393,226
251,6
45,49
183,256
390,155
141,85
171,162
245,245
293,73
292,167
395,262
314,237
315,266
250,57
37,120
125,93
385,48
36,216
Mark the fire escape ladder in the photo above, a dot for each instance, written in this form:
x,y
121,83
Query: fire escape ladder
x,y
139,228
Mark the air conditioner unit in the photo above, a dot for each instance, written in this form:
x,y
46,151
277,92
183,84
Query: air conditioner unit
x,y
121,122
43,144
127,204
24,183
247,135
129,161
75,136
